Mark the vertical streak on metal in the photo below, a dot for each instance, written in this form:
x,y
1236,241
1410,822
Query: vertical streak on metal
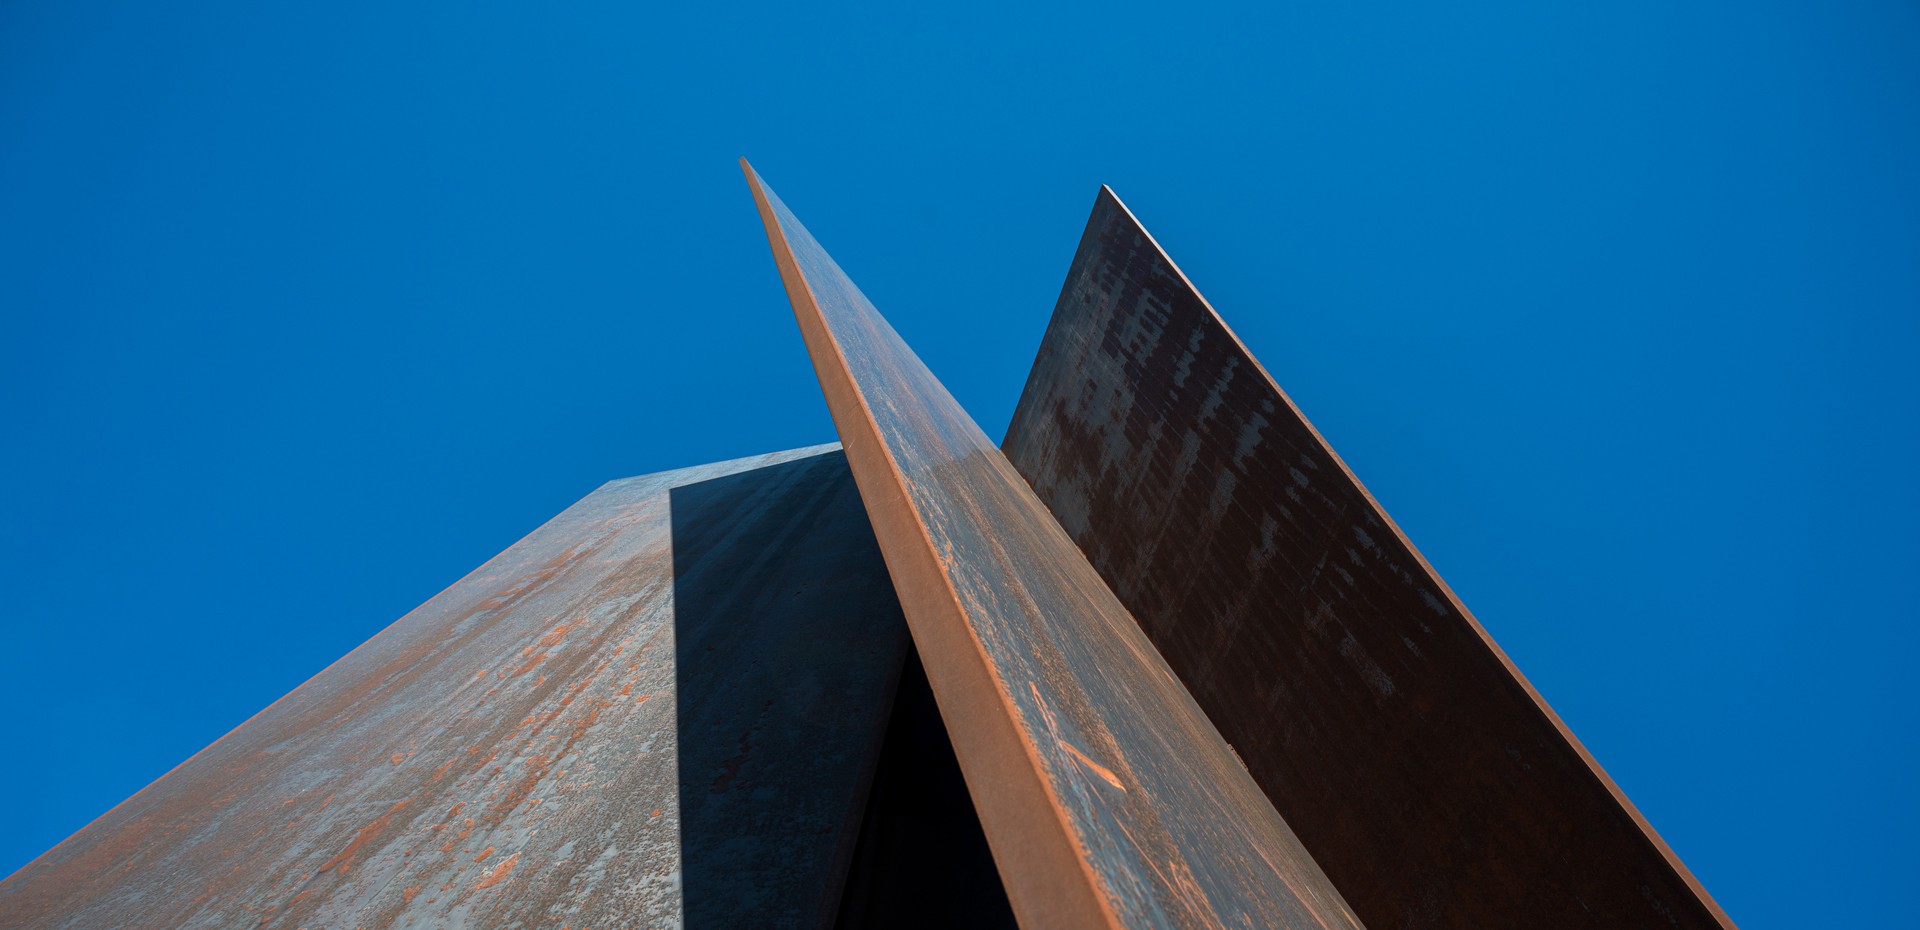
x,y
1420,768
1106,795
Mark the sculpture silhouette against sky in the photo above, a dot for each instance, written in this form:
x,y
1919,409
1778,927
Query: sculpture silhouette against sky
x,y
1155,660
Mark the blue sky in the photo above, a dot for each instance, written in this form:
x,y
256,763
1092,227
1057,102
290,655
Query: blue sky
x,y
312,310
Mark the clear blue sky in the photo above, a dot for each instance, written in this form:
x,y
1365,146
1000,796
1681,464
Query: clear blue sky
x,y
309,310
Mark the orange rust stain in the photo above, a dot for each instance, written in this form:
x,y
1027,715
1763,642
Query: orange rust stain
x,y
582,683
642,699
406,894
396,758
538,721
442,770
553,638
537,767
345,859
499,873
484,854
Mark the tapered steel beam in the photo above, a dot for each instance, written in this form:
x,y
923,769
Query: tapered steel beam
x,y
1416,763
660,709
1107,797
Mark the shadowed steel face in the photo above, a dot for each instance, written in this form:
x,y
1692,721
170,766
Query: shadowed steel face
x,y
1417,765
601,727
1106,795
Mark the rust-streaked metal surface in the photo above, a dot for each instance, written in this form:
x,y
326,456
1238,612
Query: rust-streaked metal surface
x,y
1425,775
658,709
1107,797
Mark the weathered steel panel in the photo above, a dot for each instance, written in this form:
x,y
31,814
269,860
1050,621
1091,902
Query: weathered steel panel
x,y
659,708
1107,797
1421,770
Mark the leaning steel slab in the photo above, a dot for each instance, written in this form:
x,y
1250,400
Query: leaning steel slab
x,y
1107,797
1419,767
659,709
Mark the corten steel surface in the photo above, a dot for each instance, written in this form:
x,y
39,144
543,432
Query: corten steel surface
x,y
1107,797
1421,770
661,705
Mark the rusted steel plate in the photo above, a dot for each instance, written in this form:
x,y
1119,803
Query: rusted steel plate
x,y
659,708
1421,770
1107,797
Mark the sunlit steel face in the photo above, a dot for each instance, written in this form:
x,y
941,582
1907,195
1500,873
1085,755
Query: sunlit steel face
x,y
1107,796
1415,763
660,707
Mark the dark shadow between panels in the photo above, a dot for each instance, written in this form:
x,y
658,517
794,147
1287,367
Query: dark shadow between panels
x,y
789,645
923,860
